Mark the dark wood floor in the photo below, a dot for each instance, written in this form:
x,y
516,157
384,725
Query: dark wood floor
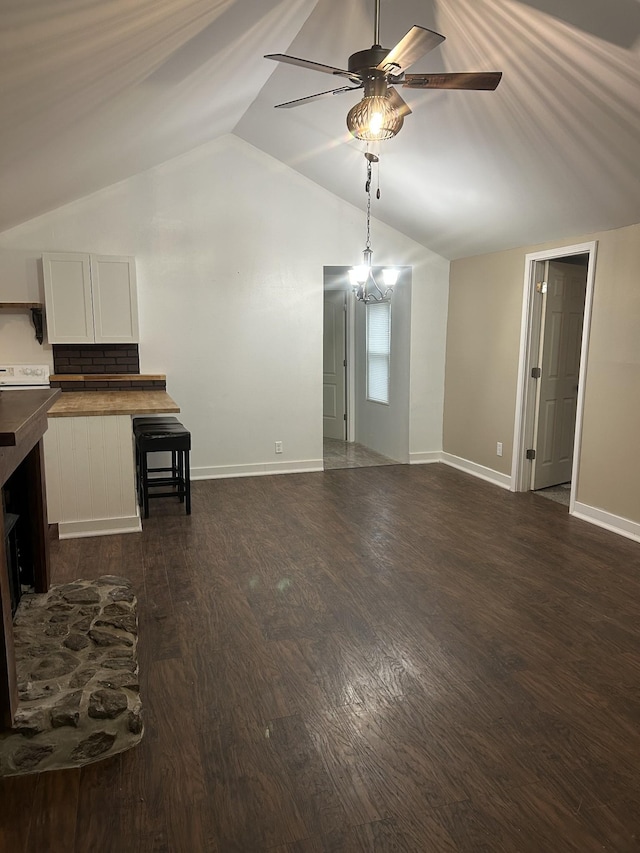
x,y
386,659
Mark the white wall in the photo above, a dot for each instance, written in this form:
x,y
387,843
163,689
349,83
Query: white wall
x,y
230,246
429,306
20,281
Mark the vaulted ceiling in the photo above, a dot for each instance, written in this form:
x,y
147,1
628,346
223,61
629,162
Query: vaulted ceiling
x,y
94,91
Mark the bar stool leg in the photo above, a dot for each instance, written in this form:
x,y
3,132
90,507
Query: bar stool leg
x,y
181,486
138,476
187,481
145,483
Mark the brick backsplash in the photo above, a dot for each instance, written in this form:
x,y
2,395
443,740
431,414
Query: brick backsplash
x,y
98,384
96,358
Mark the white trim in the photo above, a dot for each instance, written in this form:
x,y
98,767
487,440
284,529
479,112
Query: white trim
x,y
520,468
258,469
425,457
615,523
488,474
584,358
99,527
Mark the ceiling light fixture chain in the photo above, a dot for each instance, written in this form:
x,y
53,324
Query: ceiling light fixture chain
x,y
368,191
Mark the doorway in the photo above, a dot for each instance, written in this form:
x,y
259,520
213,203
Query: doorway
x,y
358,430
554,346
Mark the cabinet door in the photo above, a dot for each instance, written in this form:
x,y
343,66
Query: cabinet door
x,y
67,293
115,302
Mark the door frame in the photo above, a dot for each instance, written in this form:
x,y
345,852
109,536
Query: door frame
x,y
337,278
529,346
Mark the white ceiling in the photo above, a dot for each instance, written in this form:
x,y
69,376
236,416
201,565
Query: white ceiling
x,y
93,91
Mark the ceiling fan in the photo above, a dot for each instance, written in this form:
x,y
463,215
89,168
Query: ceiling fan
x,y
380,114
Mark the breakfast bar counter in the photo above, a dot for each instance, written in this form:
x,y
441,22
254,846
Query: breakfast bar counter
x,y
90,459
79,404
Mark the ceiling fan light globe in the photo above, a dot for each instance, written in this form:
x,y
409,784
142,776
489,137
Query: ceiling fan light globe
x,y
374,119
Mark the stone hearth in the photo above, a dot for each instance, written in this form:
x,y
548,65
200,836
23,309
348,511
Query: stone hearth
x,y
75,650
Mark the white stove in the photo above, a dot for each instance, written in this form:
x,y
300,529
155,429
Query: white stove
x,y
19,377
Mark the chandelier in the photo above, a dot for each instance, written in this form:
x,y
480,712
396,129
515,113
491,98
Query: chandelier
x,y
362,276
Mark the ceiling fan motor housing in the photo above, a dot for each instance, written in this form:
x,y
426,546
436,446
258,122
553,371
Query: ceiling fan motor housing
x,y
367,59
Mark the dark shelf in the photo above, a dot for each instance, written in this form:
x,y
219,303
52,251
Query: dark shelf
x,y
36,314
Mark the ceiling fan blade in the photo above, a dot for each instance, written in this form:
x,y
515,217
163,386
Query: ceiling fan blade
x,y
487,80
398,103
417,42
306,63
306,100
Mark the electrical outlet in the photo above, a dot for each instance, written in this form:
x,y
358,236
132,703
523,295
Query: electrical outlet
x,y
499,449
279,447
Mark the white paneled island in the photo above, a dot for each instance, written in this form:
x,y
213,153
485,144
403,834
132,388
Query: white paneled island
x,y
90,460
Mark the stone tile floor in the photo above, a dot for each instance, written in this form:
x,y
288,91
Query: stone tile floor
x,y
77,671
344,454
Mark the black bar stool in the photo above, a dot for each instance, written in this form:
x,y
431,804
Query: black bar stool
x,y
156,437
154,420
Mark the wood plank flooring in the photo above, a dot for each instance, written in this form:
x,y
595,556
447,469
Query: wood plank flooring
x,y
383,659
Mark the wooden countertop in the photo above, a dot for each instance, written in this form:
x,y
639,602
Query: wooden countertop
x,y
20,409
81,404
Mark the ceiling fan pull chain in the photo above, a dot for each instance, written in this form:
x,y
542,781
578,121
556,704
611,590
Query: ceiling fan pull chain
x,y
368,203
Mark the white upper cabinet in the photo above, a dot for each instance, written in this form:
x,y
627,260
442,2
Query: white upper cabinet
x,y
115,302
90,298
68,300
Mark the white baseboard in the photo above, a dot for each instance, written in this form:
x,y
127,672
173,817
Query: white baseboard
x,y
258,469
98,527
615,523
488,474
425,457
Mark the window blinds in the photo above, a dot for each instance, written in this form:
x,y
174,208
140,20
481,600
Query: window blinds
x,y
378,351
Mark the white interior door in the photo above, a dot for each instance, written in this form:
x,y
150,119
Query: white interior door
x,y
559,362
334,405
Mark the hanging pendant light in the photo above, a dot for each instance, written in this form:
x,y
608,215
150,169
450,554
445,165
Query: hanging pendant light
x,y
362,276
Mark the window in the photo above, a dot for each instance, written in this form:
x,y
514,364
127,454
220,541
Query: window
x,y
378,351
